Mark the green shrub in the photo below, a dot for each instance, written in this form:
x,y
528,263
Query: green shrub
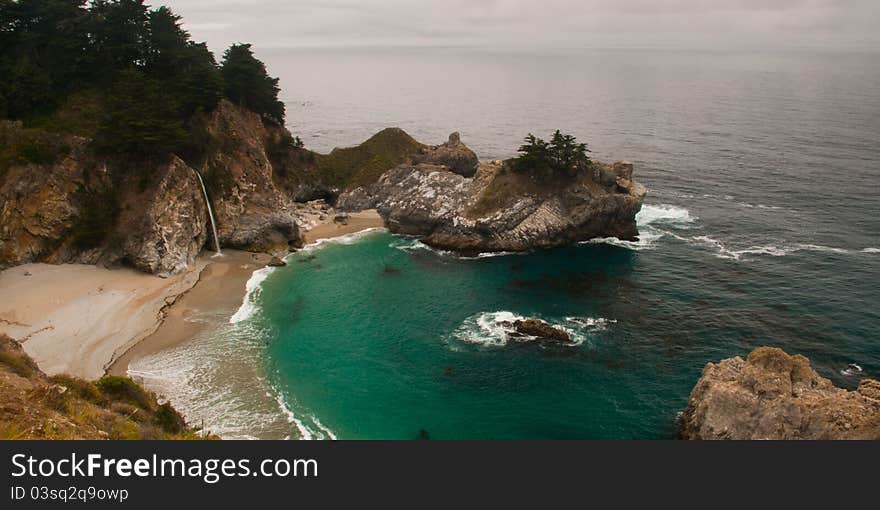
x,y
80,388
125,390
169,419
16,363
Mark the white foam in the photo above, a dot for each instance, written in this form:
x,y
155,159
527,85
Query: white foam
x,y
664,214
648,220
770,250
595,324
871,250
410,244
819,248
486,328
346,239
648,238
253,288
492,329
309,426
214,380
853,370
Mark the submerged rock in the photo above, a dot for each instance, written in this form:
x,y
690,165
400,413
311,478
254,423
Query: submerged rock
x,y
773,395
542,331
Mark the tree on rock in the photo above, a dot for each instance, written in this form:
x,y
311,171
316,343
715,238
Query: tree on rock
x,y
562,155
248,83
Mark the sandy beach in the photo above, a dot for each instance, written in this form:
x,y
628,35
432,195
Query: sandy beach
x,y
87,321
75,319
355,222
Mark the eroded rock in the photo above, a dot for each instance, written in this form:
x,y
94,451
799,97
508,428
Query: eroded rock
x,y
499,209
773,395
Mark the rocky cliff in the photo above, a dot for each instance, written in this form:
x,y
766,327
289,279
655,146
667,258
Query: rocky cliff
x,y
252,213
73,211
151,215
772,395
498,209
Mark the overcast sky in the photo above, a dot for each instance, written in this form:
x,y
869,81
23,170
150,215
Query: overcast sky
x,y
533,23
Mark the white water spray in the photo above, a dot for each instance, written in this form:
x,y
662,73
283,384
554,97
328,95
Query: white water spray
x,y
210,214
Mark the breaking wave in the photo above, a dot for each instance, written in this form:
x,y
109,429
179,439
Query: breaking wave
x,y
648,220
215,381
723,252
664,214
410,244
253,288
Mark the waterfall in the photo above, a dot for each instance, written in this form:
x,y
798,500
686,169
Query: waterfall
x,y
210,213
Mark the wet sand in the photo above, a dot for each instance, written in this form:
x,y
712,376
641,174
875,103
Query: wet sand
x,y
218,293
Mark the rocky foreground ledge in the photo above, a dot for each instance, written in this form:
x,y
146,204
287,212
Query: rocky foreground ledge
x,y
773,395
499,209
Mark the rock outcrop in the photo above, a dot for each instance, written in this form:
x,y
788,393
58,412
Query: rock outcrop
x,y
454,155
251,212
67,213
772,395
499,209
167,232
89,209
541,331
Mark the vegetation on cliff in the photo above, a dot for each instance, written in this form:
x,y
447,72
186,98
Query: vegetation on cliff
x,y
121,72
357,166
39,407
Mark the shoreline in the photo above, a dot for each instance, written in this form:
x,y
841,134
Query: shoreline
x,y
220,291
87,321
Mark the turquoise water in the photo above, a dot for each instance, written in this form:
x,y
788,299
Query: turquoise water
x,y
383,339
762,227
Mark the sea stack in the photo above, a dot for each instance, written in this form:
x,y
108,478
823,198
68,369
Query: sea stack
x,y
498,208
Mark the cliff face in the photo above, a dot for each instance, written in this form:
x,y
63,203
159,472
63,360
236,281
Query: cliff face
x,y
772,395
88,209
251,212
70,212
499,209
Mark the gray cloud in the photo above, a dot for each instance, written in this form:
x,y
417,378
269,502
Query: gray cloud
x,y
534,23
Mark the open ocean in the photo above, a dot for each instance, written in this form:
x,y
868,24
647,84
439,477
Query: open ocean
x,y
762,227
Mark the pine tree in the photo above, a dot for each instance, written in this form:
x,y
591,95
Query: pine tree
x,y
562,155
248,83
140,118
